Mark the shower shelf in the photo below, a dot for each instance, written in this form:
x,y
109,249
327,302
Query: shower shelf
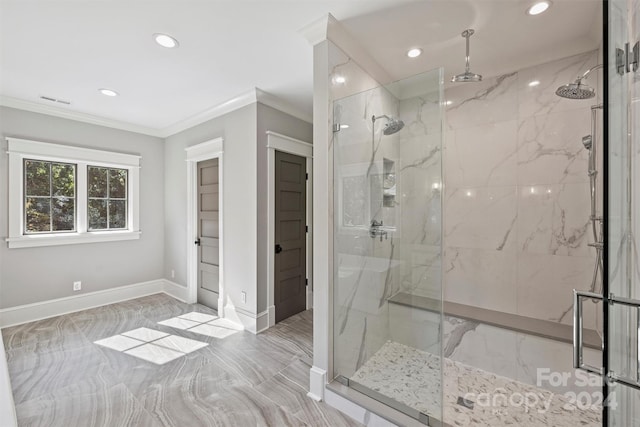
x,y
527,325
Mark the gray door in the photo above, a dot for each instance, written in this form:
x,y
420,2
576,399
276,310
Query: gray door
x,y
208,233
290,235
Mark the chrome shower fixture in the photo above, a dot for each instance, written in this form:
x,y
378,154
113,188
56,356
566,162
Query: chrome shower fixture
x,y
587,141
467,76
392,126
577,89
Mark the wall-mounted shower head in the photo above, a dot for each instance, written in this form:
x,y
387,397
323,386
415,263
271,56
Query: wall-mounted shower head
x,y
392,126
467,76
577,89
587,141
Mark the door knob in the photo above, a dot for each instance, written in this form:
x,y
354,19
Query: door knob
x,y
197,242
278,249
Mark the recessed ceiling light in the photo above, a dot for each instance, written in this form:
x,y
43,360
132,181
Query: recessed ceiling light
x,y
414,53
448,102
538,7
534,83
165,40
340,79
108,92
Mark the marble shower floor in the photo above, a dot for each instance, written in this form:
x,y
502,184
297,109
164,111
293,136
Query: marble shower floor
x,y
61,377
411,377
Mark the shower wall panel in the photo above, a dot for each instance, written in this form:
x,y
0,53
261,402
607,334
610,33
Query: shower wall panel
x,y
517,193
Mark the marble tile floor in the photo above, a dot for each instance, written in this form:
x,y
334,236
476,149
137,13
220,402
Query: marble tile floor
x,y
60,377
408,375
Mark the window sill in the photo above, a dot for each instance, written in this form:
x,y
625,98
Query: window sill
x,y
71,238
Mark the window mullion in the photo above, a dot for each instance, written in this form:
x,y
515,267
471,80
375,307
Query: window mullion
x,y
81,197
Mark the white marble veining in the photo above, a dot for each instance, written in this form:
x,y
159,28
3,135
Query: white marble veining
x,y
481,277
482,155
481,217
550,149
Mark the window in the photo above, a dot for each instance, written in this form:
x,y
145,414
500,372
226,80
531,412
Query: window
x,y
49,196
64,195
107,192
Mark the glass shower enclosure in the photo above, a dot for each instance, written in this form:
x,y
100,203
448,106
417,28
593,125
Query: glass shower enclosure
x,y
387,317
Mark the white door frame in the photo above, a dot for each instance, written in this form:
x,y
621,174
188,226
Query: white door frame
x,y
204,151
286,144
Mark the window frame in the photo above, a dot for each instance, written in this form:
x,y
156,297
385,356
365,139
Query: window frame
x,y
51,197
20,149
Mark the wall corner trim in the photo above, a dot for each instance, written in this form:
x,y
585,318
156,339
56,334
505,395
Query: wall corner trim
x,y
316,31
317,381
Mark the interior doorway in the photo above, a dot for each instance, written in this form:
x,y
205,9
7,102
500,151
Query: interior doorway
x,y
205,224
208,236
279,145
290,272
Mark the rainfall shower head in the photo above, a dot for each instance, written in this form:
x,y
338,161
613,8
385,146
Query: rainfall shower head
x,y
392,126
467,76
577,89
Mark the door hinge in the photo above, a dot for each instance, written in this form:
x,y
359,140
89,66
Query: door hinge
x,y
336,127
306,282
628,60
306,176
306,228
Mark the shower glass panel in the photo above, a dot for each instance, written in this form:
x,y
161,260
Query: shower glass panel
x,y
624,216
388,244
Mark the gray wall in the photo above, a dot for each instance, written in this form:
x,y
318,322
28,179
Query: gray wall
x,y
29,275
238,129
276,121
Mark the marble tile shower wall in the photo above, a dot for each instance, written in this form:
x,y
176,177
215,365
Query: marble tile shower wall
x,y
365,268
517,193
420,187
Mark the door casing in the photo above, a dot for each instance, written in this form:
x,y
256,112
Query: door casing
x,y
279,142
204,151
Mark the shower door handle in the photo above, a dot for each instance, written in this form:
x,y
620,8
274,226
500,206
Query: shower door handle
x,y
577,331
578,363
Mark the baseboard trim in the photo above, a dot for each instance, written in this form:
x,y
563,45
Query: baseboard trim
x,y
247,320
45,309
317,380
272,315
262,321
179,292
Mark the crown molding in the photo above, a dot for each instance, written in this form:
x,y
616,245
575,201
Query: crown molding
x,y
61,112
250,97
317,31
282,105
226,107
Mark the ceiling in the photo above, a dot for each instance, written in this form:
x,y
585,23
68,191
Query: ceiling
x,y
68,49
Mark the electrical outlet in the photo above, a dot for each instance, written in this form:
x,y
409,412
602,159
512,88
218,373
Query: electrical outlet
x,y
77,286
243,295
173,274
